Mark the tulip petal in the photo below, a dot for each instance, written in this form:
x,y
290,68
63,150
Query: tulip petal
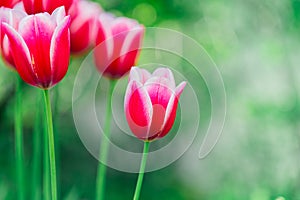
x,y
119,29
79,30
58,15
83,25
138,109
167,73
130,49
159,90
179,89
50,6
60,50
32,6
123,24
37,31
21,54
8,3
138,74
12,17
171,110
105,44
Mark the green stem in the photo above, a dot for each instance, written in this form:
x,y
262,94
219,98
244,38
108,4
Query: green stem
x,y
51,145
142,171
46,176
56,132
36,177
19,140
100,182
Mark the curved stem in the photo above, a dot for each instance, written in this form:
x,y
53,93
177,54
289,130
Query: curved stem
x,y
19,140
51,145
101,173
142,171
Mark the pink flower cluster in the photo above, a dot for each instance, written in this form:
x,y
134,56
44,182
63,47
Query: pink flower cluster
x,y
37,38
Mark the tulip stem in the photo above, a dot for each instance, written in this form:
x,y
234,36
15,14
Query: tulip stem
x,y
46,175
103,153
36,172
19,140
142,171
51,145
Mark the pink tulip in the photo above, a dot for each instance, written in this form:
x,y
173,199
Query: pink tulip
x,y
40,47
37,6
118,40
12,17
8,3
83,29
151,102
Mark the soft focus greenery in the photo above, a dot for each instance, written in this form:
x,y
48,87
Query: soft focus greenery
x,y
255,45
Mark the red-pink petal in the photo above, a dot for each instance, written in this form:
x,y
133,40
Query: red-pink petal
x,y
37,31
8,3
83,27
130,49
138,109
12,17
102,51
105,44
51,5
123,33
33,6
159,90
172,109
20,54
79,45
60,50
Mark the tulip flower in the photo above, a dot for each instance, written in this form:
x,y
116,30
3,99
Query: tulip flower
x,y
38,6
8,3
150,108
151,102
40,47
12,17
118,40
83,28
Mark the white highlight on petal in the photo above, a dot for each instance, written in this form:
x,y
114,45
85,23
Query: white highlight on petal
x,y
180,88
167,73
128,41
105,20
58,15
169,109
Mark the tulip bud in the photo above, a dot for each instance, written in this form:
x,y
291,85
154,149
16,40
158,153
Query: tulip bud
x,y
38,6
8,3
151,102
40,47
83,28
11,17
118,40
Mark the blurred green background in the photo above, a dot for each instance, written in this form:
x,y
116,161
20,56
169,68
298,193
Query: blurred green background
x,y
255,45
